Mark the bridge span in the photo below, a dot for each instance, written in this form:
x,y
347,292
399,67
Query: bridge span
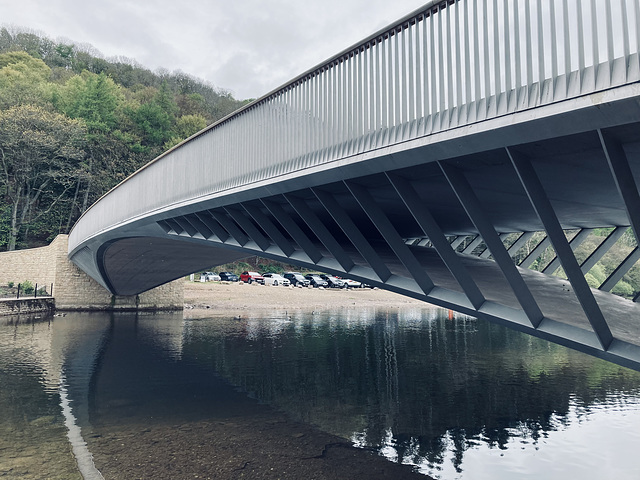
x,y
438,158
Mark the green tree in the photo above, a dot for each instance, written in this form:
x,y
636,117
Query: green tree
x,y
185,126
94,98
40,152
23,80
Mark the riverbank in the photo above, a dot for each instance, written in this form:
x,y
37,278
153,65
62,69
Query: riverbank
x,y
26,305
239,299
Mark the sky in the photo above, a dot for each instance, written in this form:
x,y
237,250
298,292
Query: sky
x,y
247,47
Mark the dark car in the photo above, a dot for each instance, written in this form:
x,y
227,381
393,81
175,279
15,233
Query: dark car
x,y
334,282
250,277
316,281
296,279
228,277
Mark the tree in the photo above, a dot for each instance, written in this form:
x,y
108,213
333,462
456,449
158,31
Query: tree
x,y
156,118
94,98
41,155
23,79
185,126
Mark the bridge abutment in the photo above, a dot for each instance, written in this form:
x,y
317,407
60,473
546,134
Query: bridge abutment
x,y
75,290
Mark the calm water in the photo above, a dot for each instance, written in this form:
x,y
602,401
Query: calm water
x,y
456,397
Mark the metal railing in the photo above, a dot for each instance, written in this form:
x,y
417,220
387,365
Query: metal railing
x,y
448,64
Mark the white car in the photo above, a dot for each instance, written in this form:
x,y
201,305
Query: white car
x,y
275,279
211,277
351,283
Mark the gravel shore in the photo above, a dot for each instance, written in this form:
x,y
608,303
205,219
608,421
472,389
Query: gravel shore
x,y
220,298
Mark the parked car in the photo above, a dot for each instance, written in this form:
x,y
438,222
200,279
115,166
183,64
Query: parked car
x,y
334,282
297,279
211,277
250,277
275,279
228,277
316,281
351,283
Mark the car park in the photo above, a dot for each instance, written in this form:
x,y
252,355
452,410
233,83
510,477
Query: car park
x,y
250,277
297,279
334,282
228,277
316,281
275,279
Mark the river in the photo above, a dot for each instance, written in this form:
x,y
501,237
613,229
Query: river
x,y
161,396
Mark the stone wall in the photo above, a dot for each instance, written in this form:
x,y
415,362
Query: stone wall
x,y
75,290
35,264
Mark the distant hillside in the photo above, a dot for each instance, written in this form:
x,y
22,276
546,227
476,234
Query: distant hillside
x,y
73,124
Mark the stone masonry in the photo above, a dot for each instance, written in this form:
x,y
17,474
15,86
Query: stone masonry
x,y
75,290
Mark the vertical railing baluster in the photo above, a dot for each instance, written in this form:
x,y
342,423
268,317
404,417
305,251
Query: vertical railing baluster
x,y
625,38
370,100
384,91
413,69
361,91
542,75
528,51
486,61
468,72
459,102
508,85
447,45
609,37
554,50
497,59
396,122
379,71
476,59
567,48
517,54
581,49
595,44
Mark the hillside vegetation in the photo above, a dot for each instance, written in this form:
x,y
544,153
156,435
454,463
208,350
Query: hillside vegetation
x,y
73,125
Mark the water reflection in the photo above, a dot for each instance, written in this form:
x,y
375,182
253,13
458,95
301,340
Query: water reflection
x,y
437,393
456,397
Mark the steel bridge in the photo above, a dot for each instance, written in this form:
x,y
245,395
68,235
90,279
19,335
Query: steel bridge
x,y
440,158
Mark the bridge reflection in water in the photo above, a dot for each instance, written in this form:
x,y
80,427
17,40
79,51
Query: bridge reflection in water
x,y
459,398
422,160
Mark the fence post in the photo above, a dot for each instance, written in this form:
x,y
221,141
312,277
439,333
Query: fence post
x,y
51,291
18,296
35,292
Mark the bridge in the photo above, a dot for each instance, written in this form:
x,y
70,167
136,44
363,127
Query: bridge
x,y
438,158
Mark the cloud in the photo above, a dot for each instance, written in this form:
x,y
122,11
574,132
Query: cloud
x,y
245,46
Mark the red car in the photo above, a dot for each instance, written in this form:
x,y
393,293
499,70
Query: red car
x,y
250,277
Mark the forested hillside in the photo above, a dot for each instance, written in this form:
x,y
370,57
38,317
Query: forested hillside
x,y
73,125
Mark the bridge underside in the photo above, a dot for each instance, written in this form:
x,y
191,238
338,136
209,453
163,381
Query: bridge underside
x,y
455,221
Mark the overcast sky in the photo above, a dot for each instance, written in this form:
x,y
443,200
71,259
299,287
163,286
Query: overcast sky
x,y
248,47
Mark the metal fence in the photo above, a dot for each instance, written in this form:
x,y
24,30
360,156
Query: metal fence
x,y
449,64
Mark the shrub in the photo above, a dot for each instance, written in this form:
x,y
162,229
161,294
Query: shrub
x,y
592,281
623,289
270,268
27,287
10,284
